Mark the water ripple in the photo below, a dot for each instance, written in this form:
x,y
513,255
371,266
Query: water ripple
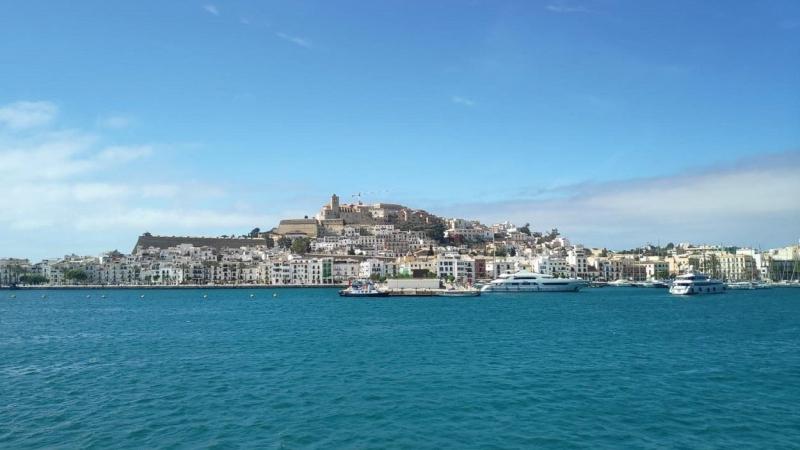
x,y
603,369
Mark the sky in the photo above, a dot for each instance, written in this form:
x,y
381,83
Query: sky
x,y
620,122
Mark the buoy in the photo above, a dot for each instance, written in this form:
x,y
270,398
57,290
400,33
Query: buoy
x,y
205,295
274,294
88,296
44,296
252,295
13,296
141,296
103,296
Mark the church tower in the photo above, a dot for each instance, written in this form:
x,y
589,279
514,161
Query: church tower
x,y
335,206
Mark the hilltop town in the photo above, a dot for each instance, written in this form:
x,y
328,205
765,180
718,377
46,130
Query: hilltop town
x,y
383,240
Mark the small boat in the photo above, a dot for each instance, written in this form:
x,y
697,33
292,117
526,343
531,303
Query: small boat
x,y
747,285
653,284
741,285
362,289
458,293
696,283
622,283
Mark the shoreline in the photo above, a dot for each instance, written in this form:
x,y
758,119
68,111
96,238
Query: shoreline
x,y
181,286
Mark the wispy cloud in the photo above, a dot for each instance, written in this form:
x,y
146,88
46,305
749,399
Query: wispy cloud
x,y
150,218
564,8
211,9
62,155
459,100
299,41
749,202
27,114
115,122
73,181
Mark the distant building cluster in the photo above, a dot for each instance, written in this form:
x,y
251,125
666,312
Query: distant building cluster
x,y
378,241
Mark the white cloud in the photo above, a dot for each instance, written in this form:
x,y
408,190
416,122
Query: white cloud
x,y
116,122
302,42
211,9
749,203
25,114
563,8
62,155
123,154
69,182
50,155
149,218
458,100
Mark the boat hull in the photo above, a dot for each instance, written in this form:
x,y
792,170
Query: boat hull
x,y
697,290
363,294
475,293
502,288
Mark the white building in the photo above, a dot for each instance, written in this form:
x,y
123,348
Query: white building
x,y
374,267
460,267
576,258
556,266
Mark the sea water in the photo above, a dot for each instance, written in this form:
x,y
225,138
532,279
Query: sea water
x,y
603,368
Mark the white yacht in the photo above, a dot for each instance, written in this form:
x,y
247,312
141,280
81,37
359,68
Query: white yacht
x,y
524,281
696,283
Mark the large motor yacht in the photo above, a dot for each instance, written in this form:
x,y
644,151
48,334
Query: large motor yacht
x,y
524,281
696,283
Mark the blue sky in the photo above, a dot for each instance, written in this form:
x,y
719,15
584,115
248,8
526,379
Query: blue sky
x,y
216,117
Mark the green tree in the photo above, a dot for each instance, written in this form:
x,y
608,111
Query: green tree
x,y
76,275
512,251
254,232
30,278
377,278
351,251
301,245
436,232
284,242
525,229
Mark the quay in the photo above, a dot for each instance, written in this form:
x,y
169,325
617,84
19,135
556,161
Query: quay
x,y
414,292
177,286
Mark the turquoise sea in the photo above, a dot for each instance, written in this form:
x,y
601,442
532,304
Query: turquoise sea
x,y
603,368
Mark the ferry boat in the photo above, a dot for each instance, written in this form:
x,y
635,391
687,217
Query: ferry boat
x,y
524,281
362,289
696,283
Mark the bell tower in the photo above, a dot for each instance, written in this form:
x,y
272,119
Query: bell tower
x,y
335,206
